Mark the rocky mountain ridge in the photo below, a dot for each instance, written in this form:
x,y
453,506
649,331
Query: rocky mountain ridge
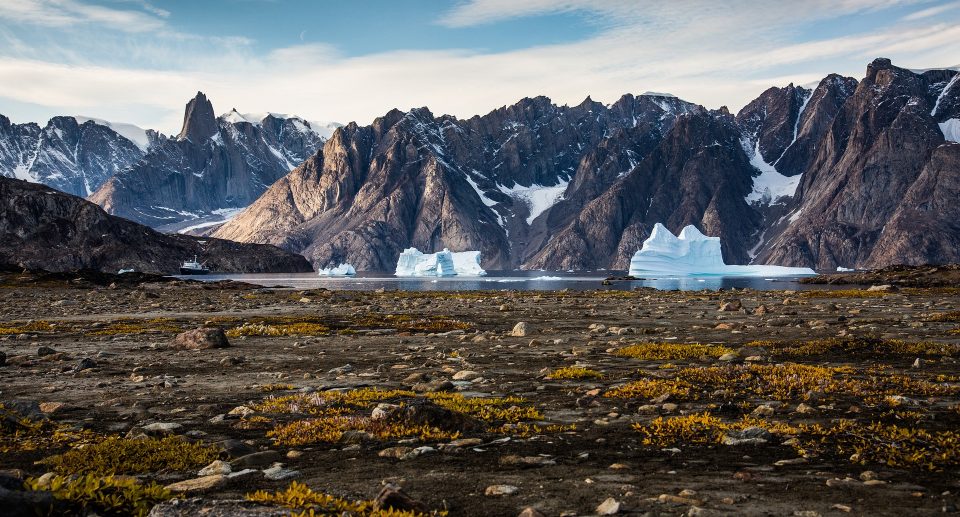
x,y
72,154
42,228
214,167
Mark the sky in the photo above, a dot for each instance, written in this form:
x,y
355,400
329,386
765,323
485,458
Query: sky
x,y
140,61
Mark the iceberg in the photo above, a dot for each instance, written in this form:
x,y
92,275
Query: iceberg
x,y
691,254
341,270
413,262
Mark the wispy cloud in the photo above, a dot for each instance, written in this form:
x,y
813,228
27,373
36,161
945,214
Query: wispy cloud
x,y
931,11
68,13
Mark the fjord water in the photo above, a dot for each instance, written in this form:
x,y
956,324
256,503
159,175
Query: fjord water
x,y
517,280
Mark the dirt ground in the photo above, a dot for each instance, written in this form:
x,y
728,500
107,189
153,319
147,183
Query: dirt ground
x,y
892,361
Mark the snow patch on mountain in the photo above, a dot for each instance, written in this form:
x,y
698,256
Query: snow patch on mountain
x,y
951,130
133,133
538,198
770,185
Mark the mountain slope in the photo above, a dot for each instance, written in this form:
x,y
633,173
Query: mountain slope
x,y
876,183
213,166
72,154
41,228
412,179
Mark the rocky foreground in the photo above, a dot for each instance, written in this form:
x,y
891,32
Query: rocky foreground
x,y
175,398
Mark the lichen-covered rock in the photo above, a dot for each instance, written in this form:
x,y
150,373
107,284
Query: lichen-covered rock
x,y
201,339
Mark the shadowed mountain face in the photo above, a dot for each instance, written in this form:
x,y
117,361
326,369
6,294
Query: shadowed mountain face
x,y
535,185
67,154
213,166
41,228
877,188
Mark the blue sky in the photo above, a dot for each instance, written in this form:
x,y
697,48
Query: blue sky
x,y
139,61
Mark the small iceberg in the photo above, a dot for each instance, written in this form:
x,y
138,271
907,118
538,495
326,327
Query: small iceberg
x,y
693,253
341,270
413,262
125,271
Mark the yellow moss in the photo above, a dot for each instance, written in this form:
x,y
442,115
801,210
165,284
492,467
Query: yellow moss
x,y
950,317
574,372
700,429
22,434
885,444
108,496
489,409
116,455
785,382
331,429
300,497
671,351
280,329
24,328
133,326
277,387
526,430
860,345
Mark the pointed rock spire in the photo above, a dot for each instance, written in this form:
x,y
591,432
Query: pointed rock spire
x,y
199,122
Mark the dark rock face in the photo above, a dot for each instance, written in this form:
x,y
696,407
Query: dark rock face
x,y
67,155
41,228
698,174
875,193
535,185
489,183
215,164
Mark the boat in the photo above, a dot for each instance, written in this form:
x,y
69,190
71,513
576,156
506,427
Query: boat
x,y
192,267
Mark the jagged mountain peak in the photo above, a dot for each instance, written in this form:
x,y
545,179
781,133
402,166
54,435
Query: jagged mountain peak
x,y
199,120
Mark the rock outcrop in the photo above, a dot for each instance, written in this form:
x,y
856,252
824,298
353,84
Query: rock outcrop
x,y
877,190
216,165
42,228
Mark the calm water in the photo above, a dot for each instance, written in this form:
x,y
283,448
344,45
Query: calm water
x,y
519,280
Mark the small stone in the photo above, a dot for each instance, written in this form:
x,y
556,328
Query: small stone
x,y
278,473
868,475
842,507
530,512
609,506
392,497
436,386
294,454
84,364
340,370
762,410
161,428
731,305
241,411
466,375
203,338
521,330
383,410
214,468
885,288
498,490
199,485
51,407
395,452
257,459
45,351
729,357
466,442
804,409
618,466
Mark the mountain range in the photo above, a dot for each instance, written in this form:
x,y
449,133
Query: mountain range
x,y
851,173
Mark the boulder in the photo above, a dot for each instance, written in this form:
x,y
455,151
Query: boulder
x,y
201,339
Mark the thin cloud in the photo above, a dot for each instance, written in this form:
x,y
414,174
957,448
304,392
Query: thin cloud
x,y
69,13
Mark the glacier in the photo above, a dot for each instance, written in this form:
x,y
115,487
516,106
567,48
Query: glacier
x,y
413,262
344,269
694,254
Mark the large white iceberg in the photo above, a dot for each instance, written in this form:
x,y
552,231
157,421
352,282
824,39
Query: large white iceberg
x,y
341,270
413,262
693,253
